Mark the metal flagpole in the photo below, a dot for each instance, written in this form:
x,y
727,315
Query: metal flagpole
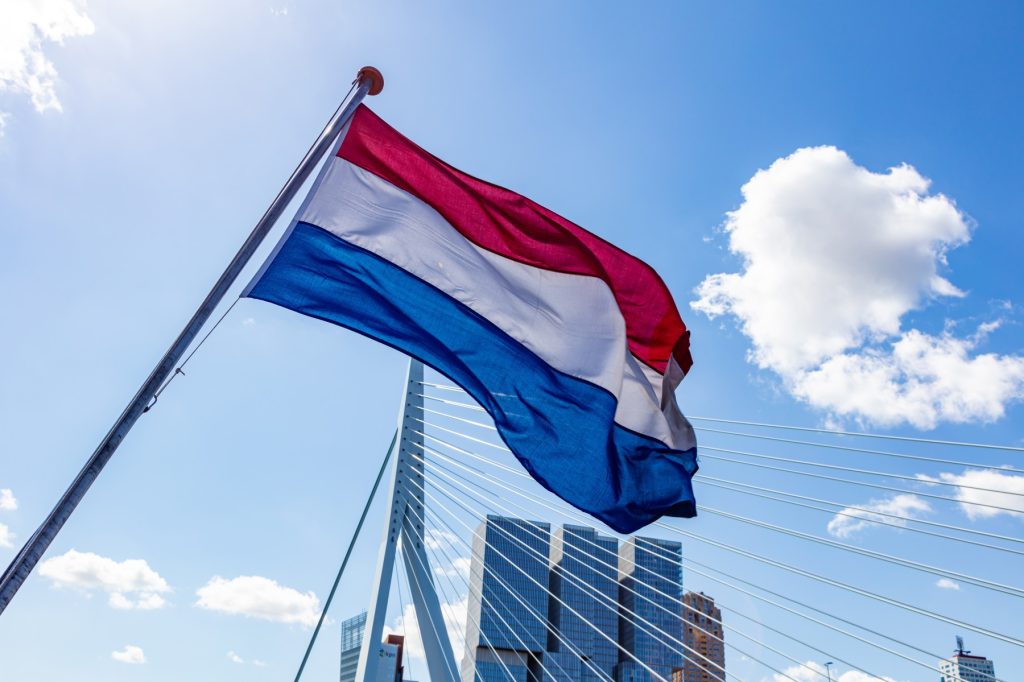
x,y
368,82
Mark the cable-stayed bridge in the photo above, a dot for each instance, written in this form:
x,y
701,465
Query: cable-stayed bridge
x,y
784,543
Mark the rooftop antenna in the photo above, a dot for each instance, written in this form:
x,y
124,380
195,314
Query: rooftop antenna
x,y
960,646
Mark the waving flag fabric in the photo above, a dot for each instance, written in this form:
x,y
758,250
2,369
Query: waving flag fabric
x,y
573,346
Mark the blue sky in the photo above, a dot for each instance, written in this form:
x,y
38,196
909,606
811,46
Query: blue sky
x,y
178,121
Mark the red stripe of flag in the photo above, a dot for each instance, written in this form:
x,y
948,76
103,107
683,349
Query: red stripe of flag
x,y
513,226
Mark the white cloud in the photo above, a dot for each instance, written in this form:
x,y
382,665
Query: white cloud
x,y
459,566
812,671
235,658
259,597
129,654
26,28
6,536
947,584
853,519
834,256
436,538
406,624
8,502
131,584
1000,490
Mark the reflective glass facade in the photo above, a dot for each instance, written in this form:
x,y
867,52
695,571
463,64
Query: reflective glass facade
x,y
650,579
579,632
510,569
351,641
584,578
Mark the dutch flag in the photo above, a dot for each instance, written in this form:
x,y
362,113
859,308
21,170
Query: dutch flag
x,y
573,346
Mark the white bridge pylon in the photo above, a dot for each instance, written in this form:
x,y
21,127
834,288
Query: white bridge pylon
x,y
407,526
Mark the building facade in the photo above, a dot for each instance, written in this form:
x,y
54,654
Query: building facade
x,y
963,667
584,587
650,586
352,631
704,639
574,606
506,626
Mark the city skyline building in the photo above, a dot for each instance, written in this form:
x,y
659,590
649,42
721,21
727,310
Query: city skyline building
x,y
506,627
704,639
963,667
570,604
585,589
650,585
352,630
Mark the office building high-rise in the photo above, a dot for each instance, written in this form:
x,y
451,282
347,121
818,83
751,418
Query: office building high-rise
x,y
506,628
572,606
650,585
584,590
352,631
963,667
704,639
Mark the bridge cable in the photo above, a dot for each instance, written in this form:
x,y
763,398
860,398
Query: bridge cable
x,y
348,554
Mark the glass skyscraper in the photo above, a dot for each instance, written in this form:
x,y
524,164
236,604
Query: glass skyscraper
x,y
351,641
508,601
650,585
605,600
584,587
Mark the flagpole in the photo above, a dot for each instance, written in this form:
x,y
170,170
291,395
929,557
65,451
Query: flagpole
x,y
368,82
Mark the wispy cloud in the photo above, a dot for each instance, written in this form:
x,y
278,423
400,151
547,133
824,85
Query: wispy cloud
x,y
129,654
235,658
458,567
131,584
27,29
8,502
947,584
851,520
998,489
812,671
258,597
406,624
6,536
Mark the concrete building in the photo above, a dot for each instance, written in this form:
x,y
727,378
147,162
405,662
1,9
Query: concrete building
x,y
963,667
704,638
